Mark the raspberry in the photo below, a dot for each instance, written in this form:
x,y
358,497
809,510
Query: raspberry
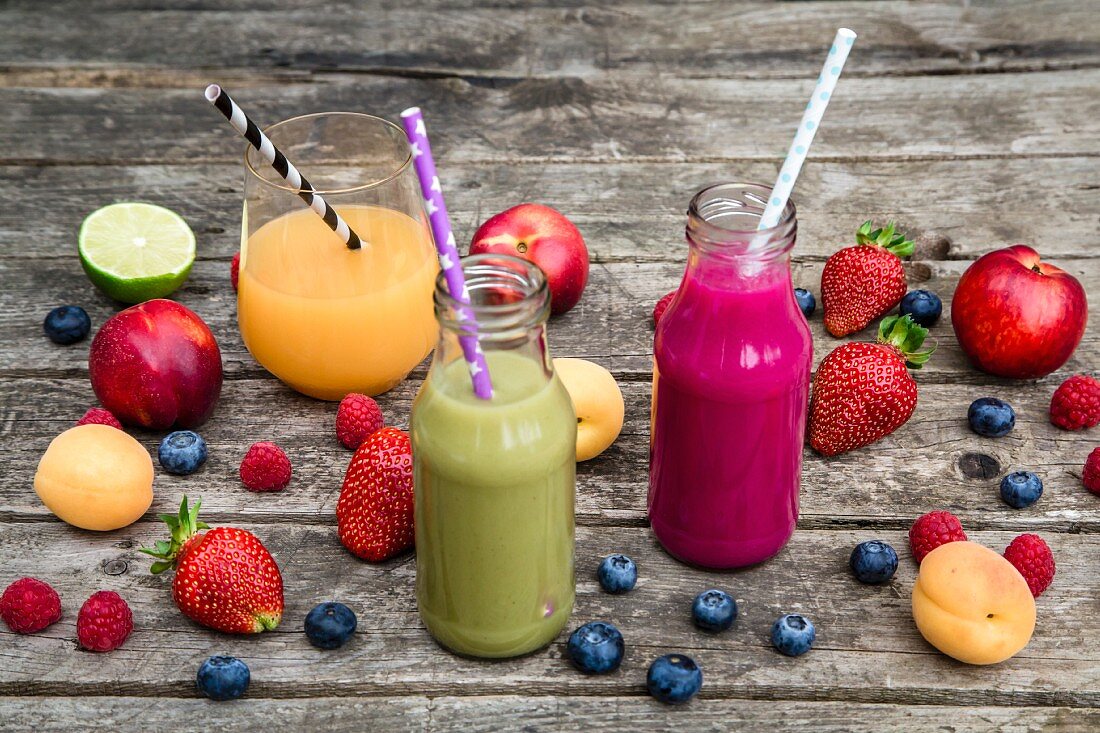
x,y
932,530
1029,554
104,622
265,468
1076,404
1091,475
356,419
235,270
29,605
99,416
661,307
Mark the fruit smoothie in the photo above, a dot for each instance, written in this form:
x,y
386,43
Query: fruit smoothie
x,y
494,485
328,320
732,362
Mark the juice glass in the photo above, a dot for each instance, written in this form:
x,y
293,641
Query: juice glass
x,y
731,377
325,319
494,479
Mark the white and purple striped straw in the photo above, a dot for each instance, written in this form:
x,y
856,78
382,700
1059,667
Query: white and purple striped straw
x,y
286,170
807,128
449,260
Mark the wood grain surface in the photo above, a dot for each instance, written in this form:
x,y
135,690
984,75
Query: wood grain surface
x,y
973,124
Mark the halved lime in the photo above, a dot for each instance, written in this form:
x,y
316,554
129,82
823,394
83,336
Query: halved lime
x,y
135,252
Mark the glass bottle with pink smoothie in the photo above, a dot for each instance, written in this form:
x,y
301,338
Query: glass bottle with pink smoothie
x,y
731,377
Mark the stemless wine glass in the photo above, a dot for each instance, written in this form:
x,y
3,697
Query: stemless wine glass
x,y
325,319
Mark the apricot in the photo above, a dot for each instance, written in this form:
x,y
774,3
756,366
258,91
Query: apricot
x,y
598,402
95,477
971,604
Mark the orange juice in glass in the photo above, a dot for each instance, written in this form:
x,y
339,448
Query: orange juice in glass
x,y
325,319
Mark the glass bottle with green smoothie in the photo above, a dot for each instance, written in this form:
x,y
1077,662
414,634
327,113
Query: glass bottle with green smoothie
x,y
494,478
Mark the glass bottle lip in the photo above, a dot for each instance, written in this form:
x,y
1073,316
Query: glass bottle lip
x,y
360,116
488,277
743,200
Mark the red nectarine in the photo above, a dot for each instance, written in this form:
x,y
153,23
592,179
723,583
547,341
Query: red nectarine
x,y
156,365
1016,316
543,236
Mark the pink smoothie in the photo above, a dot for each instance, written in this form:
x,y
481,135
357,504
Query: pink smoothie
x,y
732,362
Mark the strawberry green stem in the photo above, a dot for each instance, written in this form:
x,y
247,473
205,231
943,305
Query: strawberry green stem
x,y
268,620
885,238
905,336
183,527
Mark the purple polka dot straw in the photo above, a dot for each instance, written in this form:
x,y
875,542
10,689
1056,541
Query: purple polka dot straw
x,y
449,260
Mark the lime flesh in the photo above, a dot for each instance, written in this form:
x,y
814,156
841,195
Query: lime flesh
x,y
135,252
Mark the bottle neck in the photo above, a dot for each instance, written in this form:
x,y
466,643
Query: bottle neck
x,y
741,274
509,303
726,249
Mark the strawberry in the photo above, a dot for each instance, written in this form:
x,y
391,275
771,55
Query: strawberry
x,y
863,392
225,578
374,514
864,281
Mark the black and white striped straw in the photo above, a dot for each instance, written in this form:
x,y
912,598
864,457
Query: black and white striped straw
x,y
257,139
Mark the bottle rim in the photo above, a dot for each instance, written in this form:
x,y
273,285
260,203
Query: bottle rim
x,y
489,278
746,201
259,170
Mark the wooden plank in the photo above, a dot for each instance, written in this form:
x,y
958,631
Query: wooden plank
x,y
883,486
493,713
628,212
599,110
603,119
745,40
613,321
864,632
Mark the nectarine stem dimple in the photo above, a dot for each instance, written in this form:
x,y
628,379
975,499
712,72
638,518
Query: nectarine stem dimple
x,y
521,247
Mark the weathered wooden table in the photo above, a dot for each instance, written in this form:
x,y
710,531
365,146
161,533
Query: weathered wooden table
x,y
975,124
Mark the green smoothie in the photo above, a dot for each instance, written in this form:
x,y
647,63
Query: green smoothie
x,y
494,485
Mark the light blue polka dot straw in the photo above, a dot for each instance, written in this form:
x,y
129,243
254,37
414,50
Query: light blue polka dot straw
x,y
807,128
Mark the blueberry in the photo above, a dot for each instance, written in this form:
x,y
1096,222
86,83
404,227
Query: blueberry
x,y
1021,489
922,306
617,574
714,610
223,678
793,634
182,452
596,648
873,562
67,324
674,678
330,625
806,302
991,417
